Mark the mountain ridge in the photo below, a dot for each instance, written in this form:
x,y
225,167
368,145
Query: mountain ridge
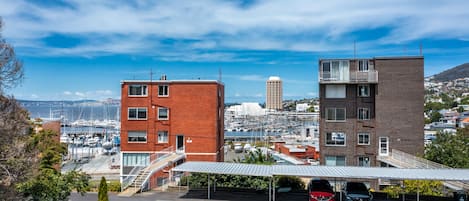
x,y
460,71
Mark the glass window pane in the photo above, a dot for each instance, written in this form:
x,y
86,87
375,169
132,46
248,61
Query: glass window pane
x,y
132,113
340,114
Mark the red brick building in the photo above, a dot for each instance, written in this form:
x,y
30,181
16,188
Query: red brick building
x,y
297,151
185,116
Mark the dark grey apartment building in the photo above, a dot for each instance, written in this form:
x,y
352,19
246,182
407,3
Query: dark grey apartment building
x,y
369,107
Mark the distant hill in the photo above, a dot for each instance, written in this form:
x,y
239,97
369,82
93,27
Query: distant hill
x,y
460,71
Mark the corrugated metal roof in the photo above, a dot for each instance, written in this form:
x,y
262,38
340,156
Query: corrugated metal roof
x,y
325,171
225,168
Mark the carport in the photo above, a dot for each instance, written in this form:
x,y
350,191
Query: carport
x,y
320,171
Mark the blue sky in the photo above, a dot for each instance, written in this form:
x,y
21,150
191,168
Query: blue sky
x,y
82,49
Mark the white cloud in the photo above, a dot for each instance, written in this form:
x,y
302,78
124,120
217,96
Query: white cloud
x,y
67,93
180,30
80,94
34,96
258,78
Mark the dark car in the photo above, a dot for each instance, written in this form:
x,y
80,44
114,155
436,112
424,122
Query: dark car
x,y
320,190
356,191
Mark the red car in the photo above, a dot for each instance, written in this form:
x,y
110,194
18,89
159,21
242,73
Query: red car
x,y
320,190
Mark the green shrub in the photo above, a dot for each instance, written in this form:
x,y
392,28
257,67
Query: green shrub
x,y
102,193
114,186
291,181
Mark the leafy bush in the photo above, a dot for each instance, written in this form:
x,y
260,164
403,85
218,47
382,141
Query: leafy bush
x,y
293,182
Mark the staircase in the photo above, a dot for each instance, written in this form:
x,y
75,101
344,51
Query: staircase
x,y
137,183
401,159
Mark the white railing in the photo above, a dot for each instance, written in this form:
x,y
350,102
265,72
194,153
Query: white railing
x,y
154,157
414,161
370,76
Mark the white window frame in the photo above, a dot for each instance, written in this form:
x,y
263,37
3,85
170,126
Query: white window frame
x,y
137,136
363,65
335,160
368,164
383,151
362,135
135,159
143,90
137,110
335,141
161,139
167,113
335,115
339,91
161,90
367,86
363,113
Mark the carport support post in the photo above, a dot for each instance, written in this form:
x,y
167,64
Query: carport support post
x,y
208,186
273,190
270,189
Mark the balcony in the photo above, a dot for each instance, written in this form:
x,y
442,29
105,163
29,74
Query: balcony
x,y
364,77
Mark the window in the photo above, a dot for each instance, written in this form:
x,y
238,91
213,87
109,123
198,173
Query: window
x,y
137,136
162,136
363,90
364,161
335,91
363,65
163,90
335,138
163,113
137,113
383,146
335,70
136,159
335,114
335,160
363,139
363,114
137,90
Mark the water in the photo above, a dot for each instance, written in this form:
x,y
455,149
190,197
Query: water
x,y
73,111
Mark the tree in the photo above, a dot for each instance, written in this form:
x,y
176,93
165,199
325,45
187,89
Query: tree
x,y
11,68
423,187
102,193
436,116
16,163
451,150
48,183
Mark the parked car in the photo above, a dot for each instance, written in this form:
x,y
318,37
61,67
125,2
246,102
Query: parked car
x,y
356,191
238,148
320,190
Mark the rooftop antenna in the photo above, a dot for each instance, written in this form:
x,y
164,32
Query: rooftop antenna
x,y
354,49
421,49
219,74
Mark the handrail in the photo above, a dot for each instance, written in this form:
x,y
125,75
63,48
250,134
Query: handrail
x,y
415,161
133,174
353,77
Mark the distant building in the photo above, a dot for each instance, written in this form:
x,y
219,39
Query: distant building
x,y
184,116
245,109
368,107
274,95
302,107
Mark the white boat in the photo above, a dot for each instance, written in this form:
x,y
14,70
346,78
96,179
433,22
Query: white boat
x,y
107,145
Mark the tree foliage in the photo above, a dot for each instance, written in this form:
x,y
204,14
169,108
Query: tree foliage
x,y
256,157
423,187
102,193
11,68
16,163
48,183
451,150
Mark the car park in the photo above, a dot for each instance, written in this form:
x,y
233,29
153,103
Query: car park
x,y
320,190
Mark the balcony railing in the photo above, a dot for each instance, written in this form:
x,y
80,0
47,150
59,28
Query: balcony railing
x,y
370,76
